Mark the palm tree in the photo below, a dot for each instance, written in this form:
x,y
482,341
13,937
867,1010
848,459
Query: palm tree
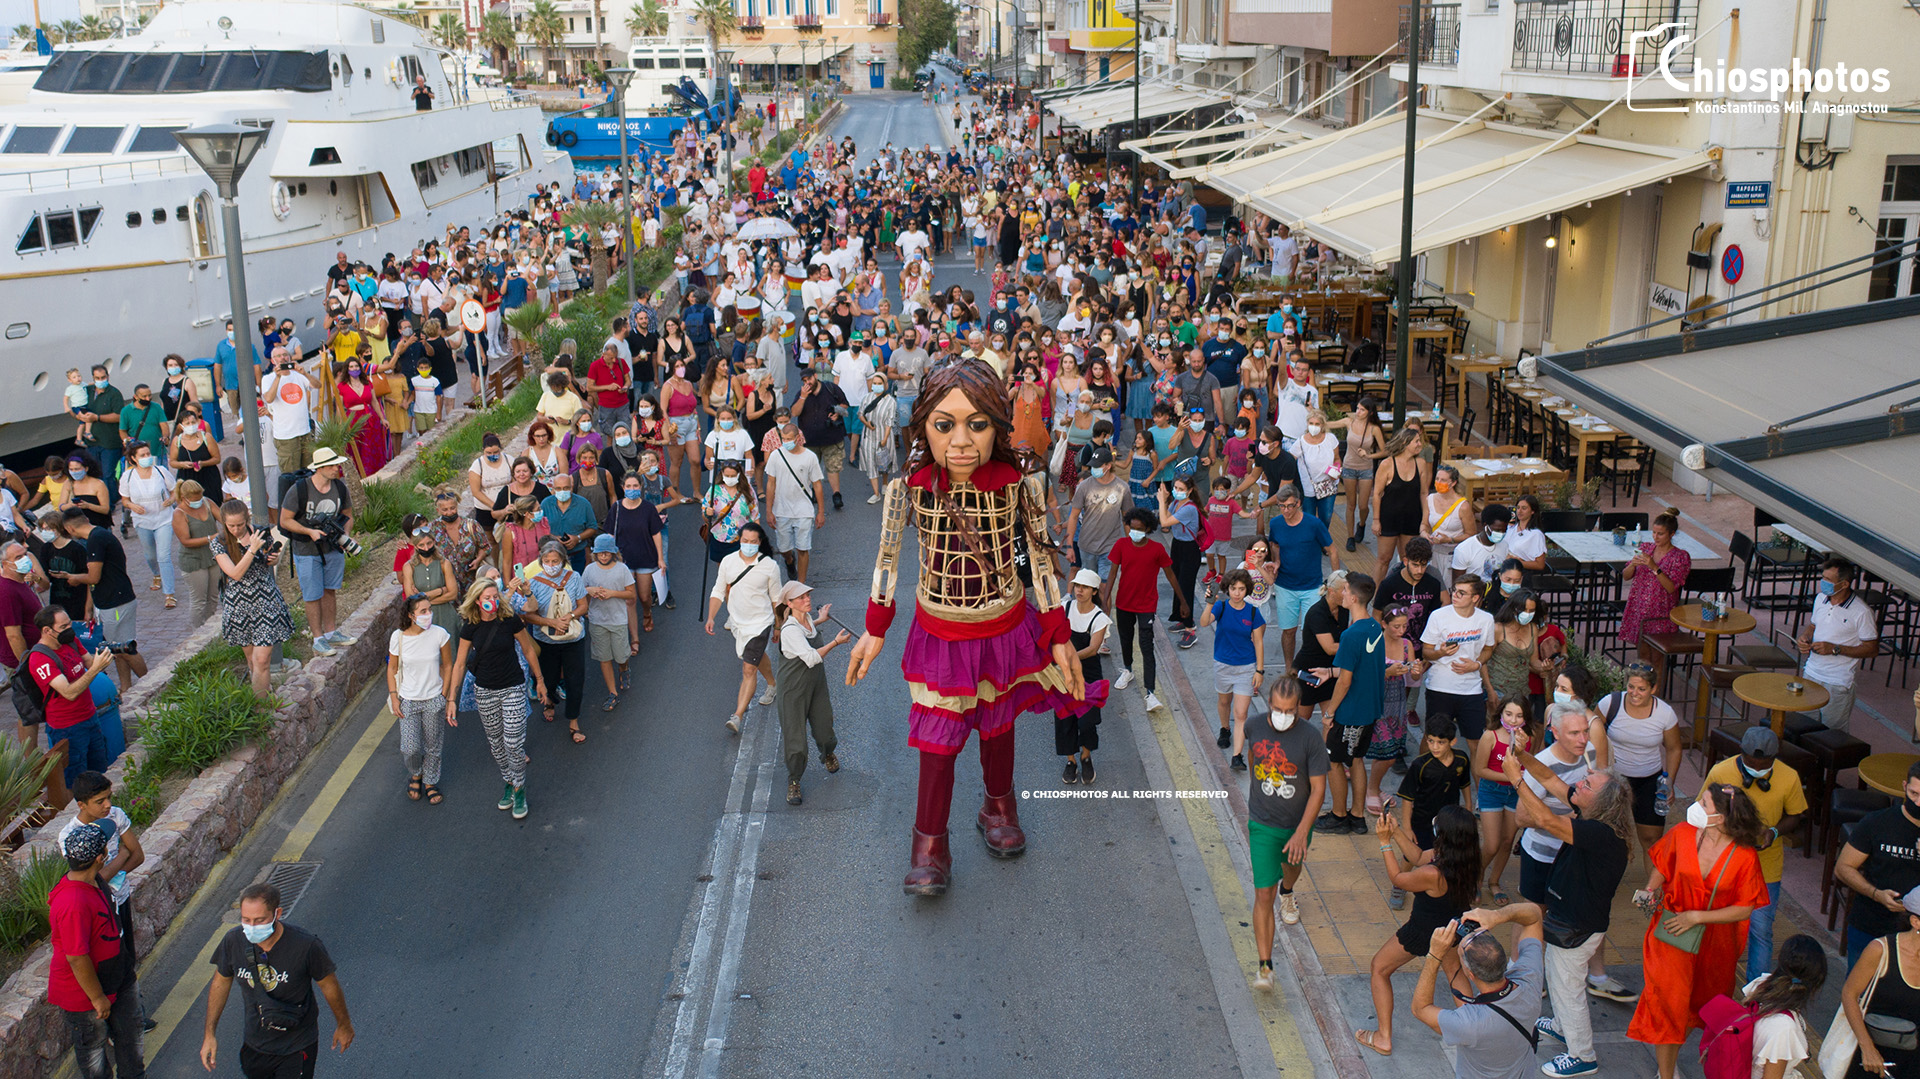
x,y
591,217
649,19
70,30
24,31
526,321
717,17
545,26
449,31
498,38
93,28
599,40
406,13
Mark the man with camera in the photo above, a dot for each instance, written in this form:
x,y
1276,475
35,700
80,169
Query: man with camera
x,y
114,604
316,515
1492,1028
288,400
277,966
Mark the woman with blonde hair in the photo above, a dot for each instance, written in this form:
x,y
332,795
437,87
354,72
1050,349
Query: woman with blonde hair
x,y
521,535
253,614
194,525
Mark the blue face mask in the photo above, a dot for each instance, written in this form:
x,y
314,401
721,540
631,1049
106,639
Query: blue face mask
x,y
23,565
1136,535
726,425
539,515
256,934
623,441
100,382
1524,617
1508,588
1828,588
563,497
749,549
1562,697
1179,495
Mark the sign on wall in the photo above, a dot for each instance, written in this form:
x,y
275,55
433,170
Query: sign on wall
x,y
1749,194
1666,299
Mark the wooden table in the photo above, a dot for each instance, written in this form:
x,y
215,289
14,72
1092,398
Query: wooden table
x,y
1592,548
1687,617
1887,772
1768,689
1462,365
1533,472
1596,430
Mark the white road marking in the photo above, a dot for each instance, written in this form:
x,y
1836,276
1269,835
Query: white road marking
x,y
721,1010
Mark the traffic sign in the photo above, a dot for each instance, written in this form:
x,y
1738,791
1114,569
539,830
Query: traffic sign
x,y
1732,263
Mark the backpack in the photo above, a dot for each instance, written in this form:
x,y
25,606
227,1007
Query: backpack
x,y
29,700
1726,1046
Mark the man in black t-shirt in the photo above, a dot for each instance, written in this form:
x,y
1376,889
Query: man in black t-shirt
x,y
1596,841
277,966
820,409
1272,467
113,596
316,510
1881,863
1411,585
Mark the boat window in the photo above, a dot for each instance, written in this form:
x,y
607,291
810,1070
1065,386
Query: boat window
x,y
324,155
304,71
145,74
31,140
669,61
97,72
192,73
32,239
62,230
424,175
92,140
89,217
643,63
243,71
154,140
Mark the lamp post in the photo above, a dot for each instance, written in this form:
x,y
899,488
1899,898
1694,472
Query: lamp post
x,y
726,136
1136,103
621,78
776,95
223,152
1403,285
835,55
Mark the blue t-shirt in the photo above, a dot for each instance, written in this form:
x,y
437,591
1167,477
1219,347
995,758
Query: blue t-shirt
x,y
1197,214
1299,549
1186,520
1363,652
1233,633
1223,361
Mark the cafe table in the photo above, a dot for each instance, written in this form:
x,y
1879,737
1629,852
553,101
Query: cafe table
x,y
1772,690
1584,428
1592,548
1529,472
1887,772
1733,622
1463,364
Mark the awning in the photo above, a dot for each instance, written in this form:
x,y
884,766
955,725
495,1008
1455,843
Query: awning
x,y
1472,177
1810,417
763,54
1098,109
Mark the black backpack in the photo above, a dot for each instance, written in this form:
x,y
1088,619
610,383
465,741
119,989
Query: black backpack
x,y
29,700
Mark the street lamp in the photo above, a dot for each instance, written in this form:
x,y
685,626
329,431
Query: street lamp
x,y
223,152
725,57
621,78
776,95
835,55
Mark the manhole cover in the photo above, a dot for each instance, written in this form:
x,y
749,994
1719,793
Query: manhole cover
x,y
293,879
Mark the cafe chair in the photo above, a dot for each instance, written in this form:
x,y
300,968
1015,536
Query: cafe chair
x,y
1845,808
1331,356
1770,579
1344,394
1466,432
1564,521
1720,679
1833,752
1556,594
1506,449
1523,426
1632,522
1380,389
1777,653
1627,461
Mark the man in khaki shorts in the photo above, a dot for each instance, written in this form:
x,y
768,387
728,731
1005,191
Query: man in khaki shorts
x,y
611,636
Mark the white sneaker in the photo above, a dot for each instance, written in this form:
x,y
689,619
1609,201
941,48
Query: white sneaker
x,y
1289,909
873,500
1153,703
767,697
1125,680
1263,978
733,724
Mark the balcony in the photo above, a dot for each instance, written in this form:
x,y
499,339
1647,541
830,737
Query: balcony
x,y
1600,37
1339,27
1439,34
806,21
880,20
753,25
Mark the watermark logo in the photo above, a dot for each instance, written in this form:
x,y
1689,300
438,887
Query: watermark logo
x,y
1784,86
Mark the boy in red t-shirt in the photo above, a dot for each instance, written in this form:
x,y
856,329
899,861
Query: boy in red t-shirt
x,y
87,978
1221,509
1133,594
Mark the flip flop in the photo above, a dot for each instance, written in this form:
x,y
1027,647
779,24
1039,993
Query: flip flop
x,y
1365,1037
548,710
613,700
1500,899
579,735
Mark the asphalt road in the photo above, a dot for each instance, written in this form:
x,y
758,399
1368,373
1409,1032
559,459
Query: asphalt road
x,y
662,911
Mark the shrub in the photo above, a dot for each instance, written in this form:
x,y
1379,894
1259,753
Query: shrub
x,y
23,776
204,712
23,899
139,795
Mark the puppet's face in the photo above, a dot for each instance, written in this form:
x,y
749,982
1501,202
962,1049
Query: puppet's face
x,y
960,435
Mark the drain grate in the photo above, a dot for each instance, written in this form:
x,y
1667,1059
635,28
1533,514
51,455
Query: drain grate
x,y
292,878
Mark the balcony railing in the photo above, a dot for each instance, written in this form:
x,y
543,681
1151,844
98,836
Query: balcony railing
x,y
1439,34
753,24
806,22
1601,37
880,18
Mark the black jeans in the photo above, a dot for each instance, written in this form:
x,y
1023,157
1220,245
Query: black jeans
x,y
565,665
122,1029
1186,568
257,1065
1128,621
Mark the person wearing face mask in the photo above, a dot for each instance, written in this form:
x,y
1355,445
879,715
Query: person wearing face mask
x,y
1132,593
1182,520
147,490
278,966
1709,871
1288,763
1644,732
429,572
419,670
1657,573
1318,452
360,401
1515,659
748,582
1781,801
553,601
1840,634
1482,553
1880,863
90,975
570,519
194,524
253,614
501,656
1094,521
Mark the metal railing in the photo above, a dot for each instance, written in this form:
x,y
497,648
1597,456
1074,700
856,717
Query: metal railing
x,y
116,172
1601,37
1439,34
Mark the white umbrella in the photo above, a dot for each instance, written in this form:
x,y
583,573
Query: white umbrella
x,y
767,228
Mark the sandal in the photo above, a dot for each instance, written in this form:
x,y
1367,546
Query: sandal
x,y
646,621
548,710
1365,1037
433,794
155,586
579,735
413,789
1373,804
625,680
172,603
613,700
1500,899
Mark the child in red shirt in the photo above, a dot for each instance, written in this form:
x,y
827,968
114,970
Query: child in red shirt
x,y
1133,593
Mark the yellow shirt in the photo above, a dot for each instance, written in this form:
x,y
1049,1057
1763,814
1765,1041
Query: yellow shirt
x,y
1787,796
345,345
55,488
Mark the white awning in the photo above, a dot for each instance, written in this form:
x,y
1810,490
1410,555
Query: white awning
x,y
1098,109
791,54
1835,454
1471,177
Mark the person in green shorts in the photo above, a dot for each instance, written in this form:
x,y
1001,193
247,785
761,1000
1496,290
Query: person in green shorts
x,y
1288,761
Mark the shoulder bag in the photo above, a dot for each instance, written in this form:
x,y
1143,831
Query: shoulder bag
x,y
1841,1045
1688,940
782,454
706,526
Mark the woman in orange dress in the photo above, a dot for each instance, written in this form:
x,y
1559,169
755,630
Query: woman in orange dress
x,y
1029,411
1711,871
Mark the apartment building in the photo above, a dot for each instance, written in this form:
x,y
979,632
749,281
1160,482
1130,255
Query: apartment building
x,y
855,41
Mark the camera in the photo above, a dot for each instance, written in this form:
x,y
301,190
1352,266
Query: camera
x,y
1466,928
131,648
272,546
335,533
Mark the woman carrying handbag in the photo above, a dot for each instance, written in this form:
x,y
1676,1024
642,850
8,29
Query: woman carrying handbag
x,y
1711,872
1874,1033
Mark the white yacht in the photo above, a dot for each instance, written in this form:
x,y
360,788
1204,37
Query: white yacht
x,y
117,253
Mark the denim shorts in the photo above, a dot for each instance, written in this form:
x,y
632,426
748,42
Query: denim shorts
x,y
319,574
793,533
1497,796
688,426
903,409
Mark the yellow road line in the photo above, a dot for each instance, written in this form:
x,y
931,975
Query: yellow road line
x,y
329,798
193,982
1283,1038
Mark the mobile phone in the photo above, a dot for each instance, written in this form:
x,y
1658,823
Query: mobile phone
x,y
1309,678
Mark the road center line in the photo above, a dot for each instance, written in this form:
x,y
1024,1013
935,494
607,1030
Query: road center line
x,y
720,1012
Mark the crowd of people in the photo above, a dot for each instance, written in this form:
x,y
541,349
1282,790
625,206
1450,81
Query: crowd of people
x,y
1143,400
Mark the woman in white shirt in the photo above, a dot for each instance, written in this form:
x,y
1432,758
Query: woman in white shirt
x,y
147,489
419,666
1781,1000
1319,455
1525,541
728,442
801,696
1644,732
